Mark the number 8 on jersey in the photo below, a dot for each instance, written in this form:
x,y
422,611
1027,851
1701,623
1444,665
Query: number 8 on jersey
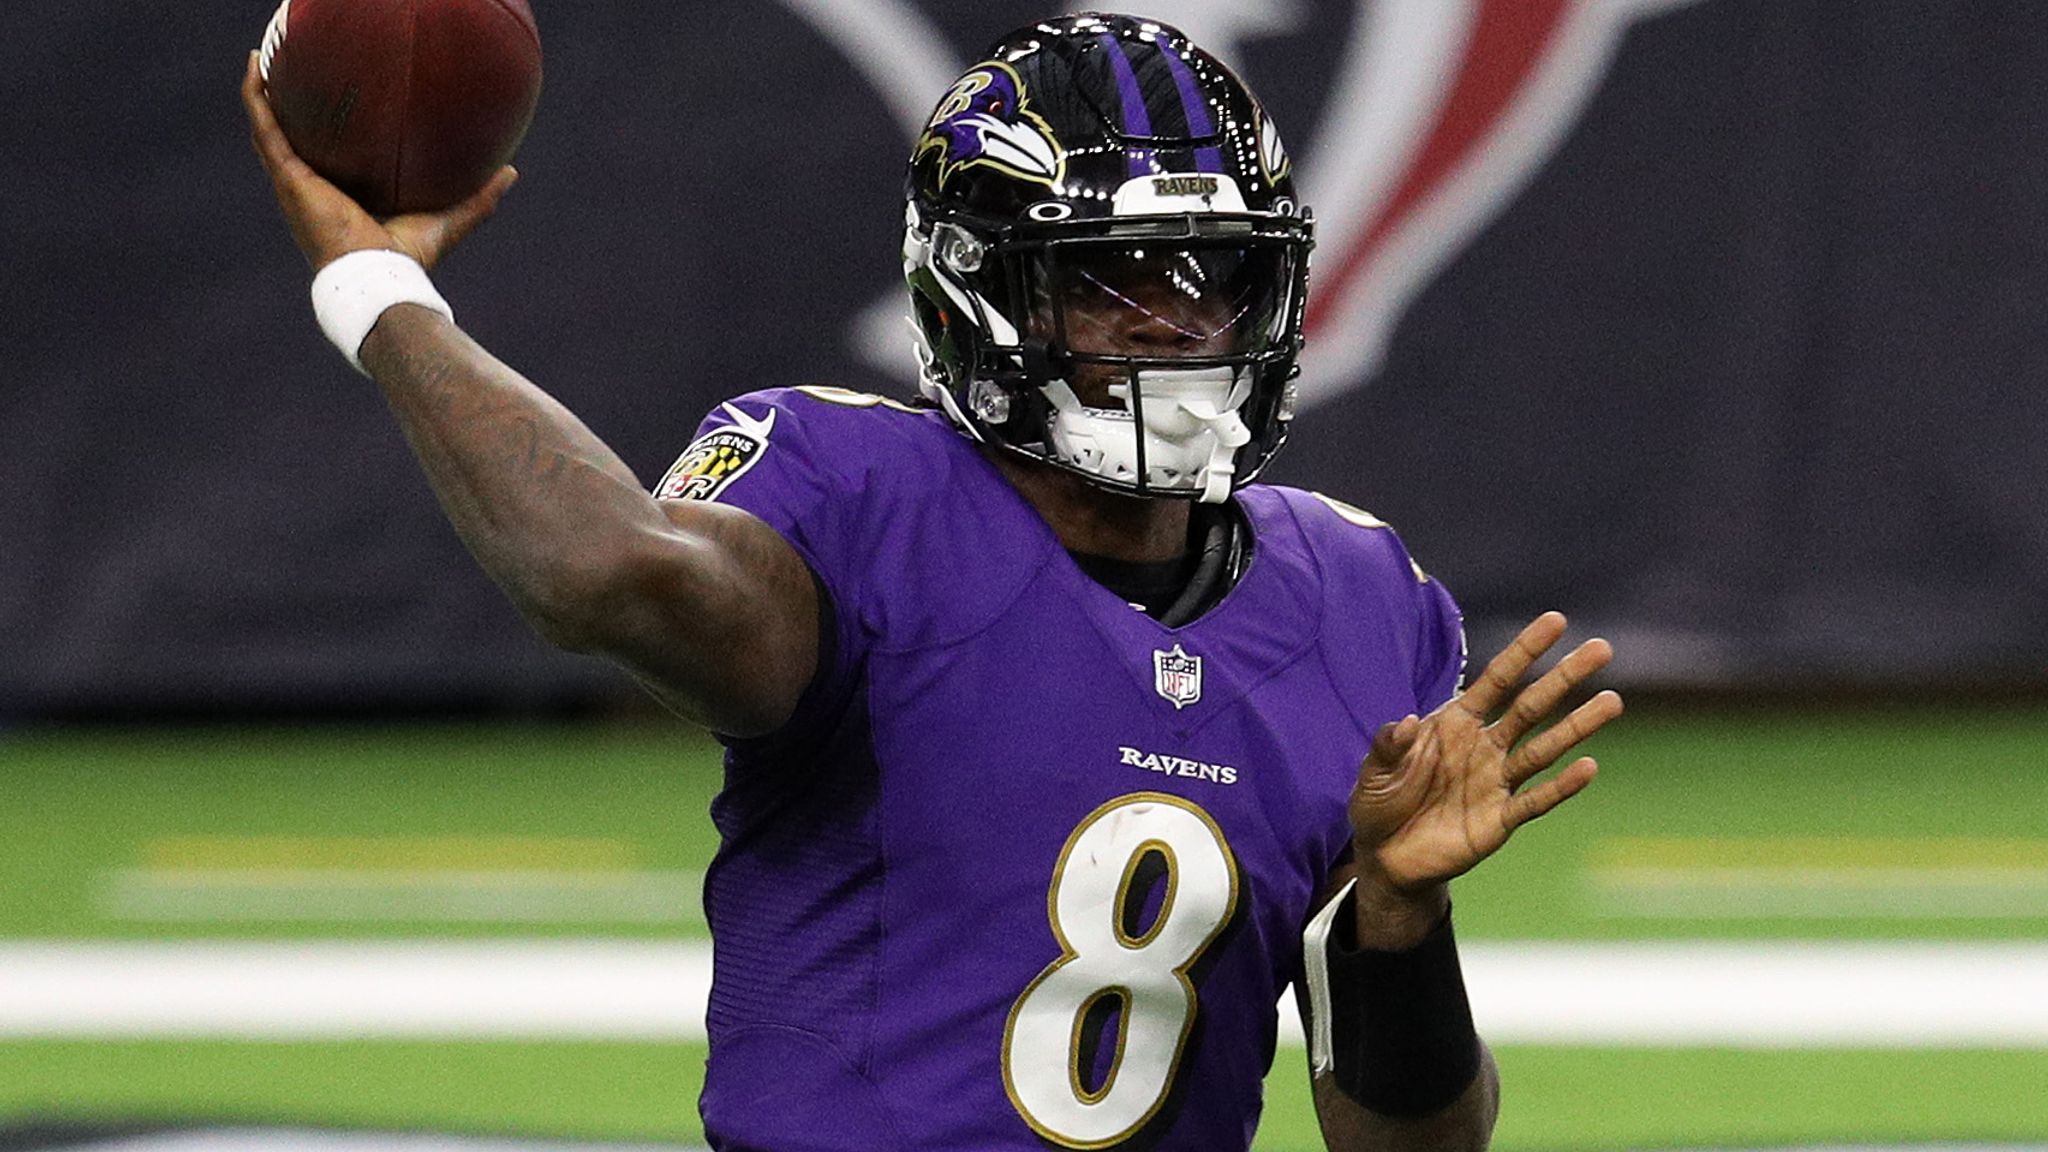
x,y
1112,961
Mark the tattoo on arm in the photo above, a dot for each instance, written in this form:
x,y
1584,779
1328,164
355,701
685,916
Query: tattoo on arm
x,y
594,561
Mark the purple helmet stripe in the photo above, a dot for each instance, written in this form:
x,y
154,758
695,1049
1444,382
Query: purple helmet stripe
x,y
1209,159
1137,120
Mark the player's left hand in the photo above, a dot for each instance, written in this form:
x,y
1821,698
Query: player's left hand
x,y
1438,794
328,224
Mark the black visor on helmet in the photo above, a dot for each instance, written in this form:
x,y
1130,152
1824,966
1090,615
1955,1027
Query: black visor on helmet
x,y
1161,300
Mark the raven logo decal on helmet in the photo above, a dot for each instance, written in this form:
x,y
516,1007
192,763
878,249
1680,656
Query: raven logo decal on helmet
x,y
986,119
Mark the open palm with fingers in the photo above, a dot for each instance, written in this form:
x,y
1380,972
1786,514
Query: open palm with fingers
x,y
1439,793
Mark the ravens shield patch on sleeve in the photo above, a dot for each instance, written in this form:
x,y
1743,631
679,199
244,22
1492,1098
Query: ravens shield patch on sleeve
x,y
717,458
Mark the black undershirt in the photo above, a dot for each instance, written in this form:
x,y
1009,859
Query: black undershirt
x,y
1152,585
1162,586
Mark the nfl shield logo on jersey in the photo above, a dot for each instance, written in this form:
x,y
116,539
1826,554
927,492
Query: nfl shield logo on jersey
x,y
1178,676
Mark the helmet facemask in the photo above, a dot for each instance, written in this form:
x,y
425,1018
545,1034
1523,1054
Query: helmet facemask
x,y
1085,332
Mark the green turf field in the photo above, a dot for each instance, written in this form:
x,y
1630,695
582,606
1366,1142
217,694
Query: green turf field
x,y
1754,825
1554,1099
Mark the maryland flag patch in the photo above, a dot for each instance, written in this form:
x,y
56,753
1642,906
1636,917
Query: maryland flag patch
x,y
717,458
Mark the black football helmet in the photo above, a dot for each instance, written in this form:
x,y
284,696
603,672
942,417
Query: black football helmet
x,y
1108,264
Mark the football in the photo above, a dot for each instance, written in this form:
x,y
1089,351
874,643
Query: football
x,y
407,105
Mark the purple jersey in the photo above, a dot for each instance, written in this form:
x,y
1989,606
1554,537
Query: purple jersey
x,y
1028,867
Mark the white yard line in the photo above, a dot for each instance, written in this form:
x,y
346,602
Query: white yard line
x,y
1768,994
325,989
1778,995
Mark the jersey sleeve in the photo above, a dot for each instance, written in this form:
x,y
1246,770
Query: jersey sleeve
x,y
888,504
1367,563
765,453
1438,660
761,454
1440,649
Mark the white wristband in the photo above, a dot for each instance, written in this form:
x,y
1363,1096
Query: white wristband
x,y
352,293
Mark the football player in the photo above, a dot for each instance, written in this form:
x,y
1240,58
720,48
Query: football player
x,y
1057,747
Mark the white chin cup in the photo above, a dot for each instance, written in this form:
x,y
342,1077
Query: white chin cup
x,y
1192,430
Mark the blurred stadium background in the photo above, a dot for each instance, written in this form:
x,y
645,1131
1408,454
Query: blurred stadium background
x,y
1718,323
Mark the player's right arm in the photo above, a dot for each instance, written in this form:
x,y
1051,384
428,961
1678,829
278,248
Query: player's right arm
x,y
706,605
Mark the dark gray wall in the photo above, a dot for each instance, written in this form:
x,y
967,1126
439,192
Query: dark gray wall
x,y
1750,375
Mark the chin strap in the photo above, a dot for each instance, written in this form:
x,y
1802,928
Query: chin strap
x,y
1183,403
1191,438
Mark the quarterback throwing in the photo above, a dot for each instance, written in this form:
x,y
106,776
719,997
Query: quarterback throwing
x,y
1058,745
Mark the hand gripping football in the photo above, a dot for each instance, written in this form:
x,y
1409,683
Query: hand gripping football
x,y
407,105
